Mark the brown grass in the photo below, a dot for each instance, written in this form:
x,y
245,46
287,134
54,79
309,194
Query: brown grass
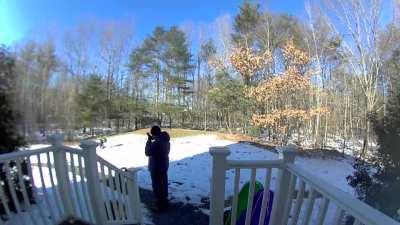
x,y
176,132
234,137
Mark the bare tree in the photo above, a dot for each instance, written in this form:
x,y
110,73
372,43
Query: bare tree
x,y
223,30
322,44
359,24
115,42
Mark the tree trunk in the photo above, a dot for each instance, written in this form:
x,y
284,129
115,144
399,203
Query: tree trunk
x,y
205,120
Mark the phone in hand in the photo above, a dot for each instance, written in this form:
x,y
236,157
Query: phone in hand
x,y
149,136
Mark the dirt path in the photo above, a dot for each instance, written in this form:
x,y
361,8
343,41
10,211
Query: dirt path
x,y
178,213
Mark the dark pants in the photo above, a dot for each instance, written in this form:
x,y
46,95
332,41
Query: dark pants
x,y
159,181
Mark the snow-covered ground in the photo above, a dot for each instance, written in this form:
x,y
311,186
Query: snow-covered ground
x,y
190,164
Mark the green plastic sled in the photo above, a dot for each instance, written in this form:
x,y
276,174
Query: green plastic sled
x,y
242,199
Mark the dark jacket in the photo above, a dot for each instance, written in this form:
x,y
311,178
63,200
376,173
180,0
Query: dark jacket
x,y
158,150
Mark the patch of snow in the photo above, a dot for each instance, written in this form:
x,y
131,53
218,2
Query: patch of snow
x,y
37,146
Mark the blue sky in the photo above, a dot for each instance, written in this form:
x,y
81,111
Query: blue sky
x,y
21,19
26,19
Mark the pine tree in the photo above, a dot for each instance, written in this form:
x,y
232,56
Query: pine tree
x,y
164,59
11,140
228,97
377,182
245,24
387,159
92,101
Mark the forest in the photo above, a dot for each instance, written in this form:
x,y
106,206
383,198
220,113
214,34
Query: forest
x,y
317,81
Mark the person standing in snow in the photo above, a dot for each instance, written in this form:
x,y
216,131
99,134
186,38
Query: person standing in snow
x,y
157,149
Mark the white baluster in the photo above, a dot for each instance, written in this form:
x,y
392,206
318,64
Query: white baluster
x,y
289,202
309,207
106,191
299,202
76,187
112,185
4,201
287,154
24,192
251,196
219,166
119,193
61,167
322,211
235,196
40,207
44,190
93,181
133,196
84,188
265,200
337,219
53,186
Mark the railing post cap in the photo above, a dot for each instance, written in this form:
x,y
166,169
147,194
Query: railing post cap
x,y
88,144
56,139
219,151
131,170
287,153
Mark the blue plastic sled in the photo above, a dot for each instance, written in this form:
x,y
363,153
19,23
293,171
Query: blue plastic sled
x,y
255,214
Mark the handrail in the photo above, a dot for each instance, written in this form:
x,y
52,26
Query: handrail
x,y
133,197
68,170
71,150
123,173
363,212
288,176
24,153
255,163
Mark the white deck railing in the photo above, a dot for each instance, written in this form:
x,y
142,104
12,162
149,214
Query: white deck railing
x,y
62,181
299,197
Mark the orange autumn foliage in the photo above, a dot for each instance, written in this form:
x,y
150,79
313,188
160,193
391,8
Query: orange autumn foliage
x,y
287,83
281,97
246,62
295,57
275,117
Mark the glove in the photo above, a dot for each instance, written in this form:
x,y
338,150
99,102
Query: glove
x,y
149,137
